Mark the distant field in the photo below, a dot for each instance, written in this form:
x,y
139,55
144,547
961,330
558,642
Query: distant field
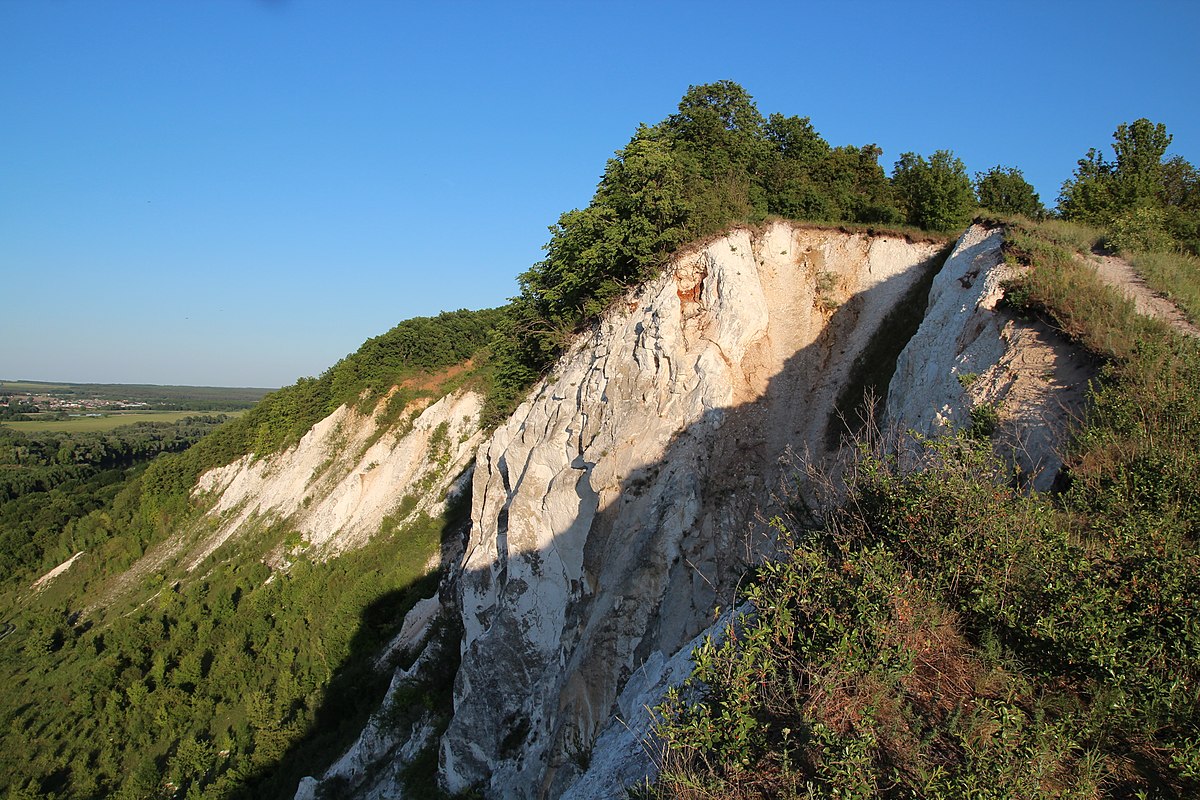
x,y
113,420
31,386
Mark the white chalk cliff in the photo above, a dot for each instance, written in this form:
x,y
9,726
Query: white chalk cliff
x,y
622,501
618,505
967,356
336,485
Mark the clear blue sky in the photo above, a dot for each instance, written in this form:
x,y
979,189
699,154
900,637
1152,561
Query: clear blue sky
x,y
240,193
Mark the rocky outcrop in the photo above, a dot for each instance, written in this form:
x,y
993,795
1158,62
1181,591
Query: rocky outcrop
x,y
618,505
973,364
346,474
373,767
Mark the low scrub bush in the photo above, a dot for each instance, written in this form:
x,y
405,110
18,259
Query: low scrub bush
x,y
941,635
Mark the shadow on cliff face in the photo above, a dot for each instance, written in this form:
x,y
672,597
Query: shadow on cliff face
x,y
356,689
660,553
673,543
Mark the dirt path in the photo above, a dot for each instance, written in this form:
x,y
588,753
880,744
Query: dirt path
x,y
1118,273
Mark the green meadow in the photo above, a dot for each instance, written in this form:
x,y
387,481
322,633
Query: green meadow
x,y
102,423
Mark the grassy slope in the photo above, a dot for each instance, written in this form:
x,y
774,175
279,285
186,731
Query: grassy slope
x,y
943,636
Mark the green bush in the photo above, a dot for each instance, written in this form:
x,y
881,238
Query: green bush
x,y
935,194
1140,228
1005,191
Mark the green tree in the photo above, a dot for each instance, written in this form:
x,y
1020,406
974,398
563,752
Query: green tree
x,y
1180,185
1005,190
717,139
1144,201
719,123
935,194
1100,189
795,139
790,173
1088,197
1140,148
1180,197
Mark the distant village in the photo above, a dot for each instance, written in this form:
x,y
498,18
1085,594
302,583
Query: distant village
x,y
35,401
18,403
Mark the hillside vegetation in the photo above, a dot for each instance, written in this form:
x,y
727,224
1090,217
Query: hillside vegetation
x,y
408,356
939,634
50,483
223,681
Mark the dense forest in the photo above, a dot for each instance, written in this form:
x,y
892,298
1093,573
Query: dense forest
x,y
50,482
921,642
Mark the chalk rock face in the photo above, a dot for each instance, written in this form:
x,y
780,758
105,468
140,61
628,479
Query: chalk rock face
x,y
970,360
345,475
373,767
617,506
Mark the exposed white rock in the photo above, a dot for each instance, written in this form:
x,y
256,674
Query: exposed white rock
x,y
417,623
43,581
968,354
374,764
343,477
627,745
617,506
622,500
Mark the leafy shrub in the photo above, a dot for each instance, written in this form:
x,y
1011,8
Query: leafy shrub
x,y
940,632
984,420
935,194
1005,190
1141,228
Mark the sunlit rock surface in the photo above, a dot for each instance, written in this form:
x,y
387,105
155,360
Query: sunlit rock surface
x,y
618,505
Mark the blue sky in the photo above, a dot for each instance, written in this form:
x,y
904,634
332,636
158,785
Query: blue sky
x,y
240,193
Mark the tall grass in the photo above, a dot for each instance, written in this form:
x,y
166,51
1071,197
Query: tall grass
x,y
1071,296
1072,236
1176,276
